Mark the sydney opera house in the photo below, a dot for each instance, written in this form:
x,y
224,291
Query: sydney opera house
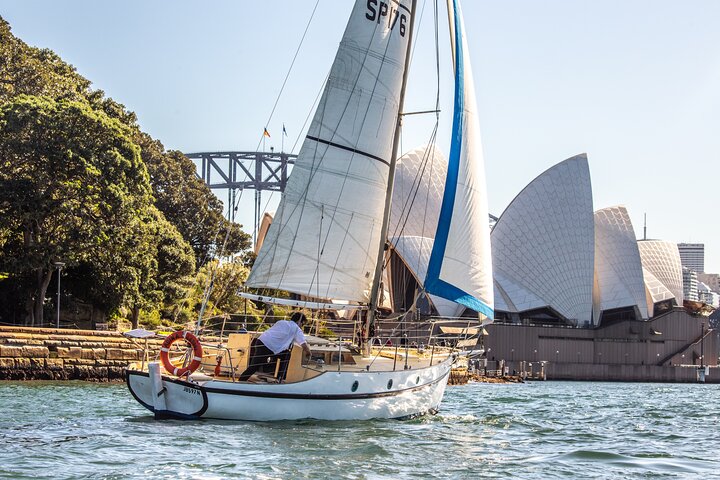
x,y
573,287
555,261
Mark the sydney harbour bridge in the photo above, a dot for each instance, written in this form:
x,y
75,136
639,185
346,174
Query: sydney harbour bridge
x,y
239,171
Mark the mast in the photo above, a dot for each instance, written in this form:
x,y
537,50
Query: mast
x,y
375,290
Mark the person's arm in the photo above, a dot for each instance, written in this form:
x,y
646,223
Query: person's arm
x,y
306,349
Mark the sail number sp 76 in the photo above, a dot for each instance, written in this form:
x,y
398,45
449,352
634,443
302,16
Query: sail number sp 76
x,y
383,11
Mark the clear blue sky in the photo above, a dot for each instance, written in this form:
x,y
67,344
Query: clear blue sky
x,y
634,83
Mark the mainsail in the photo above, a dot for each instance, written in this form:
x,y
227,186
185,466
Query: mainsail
x,y
460,267
324,238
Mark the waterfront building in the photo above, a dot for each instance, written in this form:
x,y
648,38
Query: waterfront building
x,y
712,280
663,274
706,295
619,285
415,209
543,248
692,256
690,285
555,261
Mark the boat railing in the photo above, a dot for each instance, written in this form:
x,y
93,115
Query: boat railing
x,y
398,338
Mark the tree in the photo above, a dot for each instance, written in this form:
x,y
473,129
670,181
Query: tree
x,y
172,262
75,190
189,204
33,71
70,180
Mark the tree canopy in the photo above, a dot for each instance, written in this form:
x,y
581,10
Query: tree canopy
x,y
80,183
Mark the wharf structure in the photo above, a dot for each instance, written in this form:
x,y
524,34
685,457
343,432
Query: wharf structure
x,y
670,347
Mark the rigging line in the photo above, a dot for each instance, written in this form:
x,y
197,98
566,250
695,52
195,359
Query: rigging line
x,y
312,110
433,135
300,133
437,103
282,88
211,280
315,166
362,123
419,26
437,61
301,205
415,187
418,176
319,253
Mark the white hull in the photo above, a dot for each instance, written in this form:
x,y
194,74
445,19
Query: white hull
x,y
329,396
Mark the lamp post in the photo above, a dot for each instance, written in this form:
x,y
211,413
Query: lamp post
x,y
59,266
702,344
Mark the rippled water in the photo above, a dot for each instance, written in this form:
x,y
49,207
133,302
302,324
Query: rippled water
x,y
533,430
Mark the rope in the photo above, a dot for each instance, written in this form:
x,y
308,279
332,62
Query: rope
x,y
282,88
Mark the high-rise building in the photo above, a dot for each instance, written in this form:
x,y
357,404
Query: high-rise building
x,y
692,256
690,285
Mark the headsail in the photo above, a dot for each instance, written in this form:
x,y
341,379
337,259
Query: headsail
x,y
460,267
324,238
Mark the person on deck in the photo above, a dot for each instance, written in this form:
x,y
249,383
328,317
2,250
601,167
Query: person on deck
x,y
276,343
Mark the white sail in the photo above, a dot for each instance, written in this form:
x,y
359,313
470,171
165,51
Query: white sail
x,y
324,238
460,267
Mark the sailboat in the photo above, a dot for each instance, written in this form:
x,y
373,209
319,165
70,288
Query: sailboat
x,y
327,244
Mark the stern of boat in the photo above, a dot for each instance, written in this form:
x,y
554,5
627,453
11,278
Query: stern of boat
x,y
164,396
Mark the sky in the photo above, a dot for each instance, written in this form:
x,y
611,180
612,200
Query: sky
x,y
635,84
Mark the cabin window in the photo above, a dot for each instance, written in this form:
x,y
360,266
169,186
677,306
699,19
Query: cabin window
x,y
417,380
354,386
389,384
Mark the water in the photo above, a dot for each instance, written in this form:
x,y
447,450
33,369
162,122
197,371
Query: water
x,y
534,430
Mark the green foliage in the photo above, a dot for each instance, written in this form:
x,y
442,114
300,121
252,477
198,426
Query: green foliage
x,y
33,71
71,181
150,319
80,183
188,203
325,332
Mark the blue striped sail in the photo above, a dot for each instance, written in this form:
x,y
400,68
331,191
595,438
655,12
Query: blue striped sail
x,y
460,266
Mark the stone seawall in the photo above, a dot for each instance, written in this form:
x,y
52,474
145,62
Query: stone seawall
x,y
59,354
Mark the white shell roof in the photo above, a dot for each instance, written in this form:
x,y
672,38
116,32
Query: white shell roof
x,y
415,209
655,291
417,193
662,260
618,270
543,243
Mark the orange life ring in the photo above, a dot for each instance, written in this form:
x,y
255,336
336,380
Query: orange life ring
x,y
197,353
